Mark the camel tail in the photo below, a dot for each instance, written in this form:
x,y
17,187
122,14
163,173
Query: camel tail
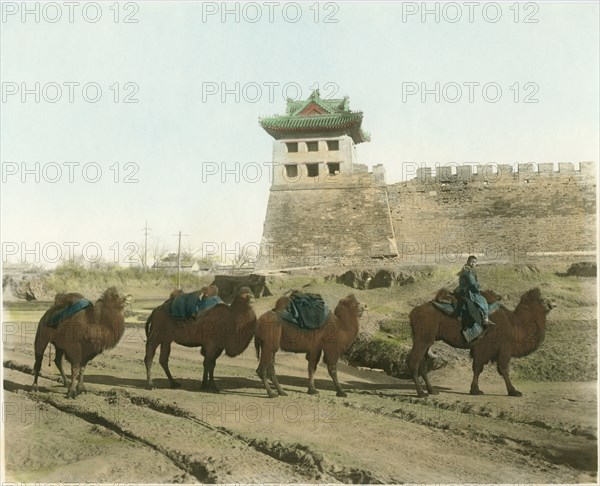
x,y
257,344
148,326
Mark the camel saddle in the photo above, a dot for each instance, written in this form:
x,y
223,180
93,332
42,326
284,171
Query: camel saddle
x,y
191,305
454,305
305,311
60,313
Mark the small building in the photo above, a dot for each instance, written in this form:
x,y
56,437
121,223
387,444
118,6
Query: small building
x,y
170,263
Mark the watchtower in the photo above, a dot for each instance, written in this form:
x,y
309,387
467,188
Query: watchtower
x,y
323,206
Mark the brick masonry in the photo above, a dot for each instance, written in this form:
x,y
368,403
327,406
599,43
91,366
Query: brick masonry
x,y
496,212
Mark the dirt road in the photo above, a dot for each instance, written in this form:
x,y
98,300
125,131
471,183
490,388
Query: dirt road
x,y
120,432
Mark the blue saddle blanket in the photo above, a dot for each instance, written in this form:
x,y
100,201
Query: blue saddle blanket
x,y
451,309
190,306
63,313
306,311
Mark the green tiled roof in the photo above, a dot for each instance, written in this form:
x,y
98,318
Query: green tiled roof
x,y
337,119
337,105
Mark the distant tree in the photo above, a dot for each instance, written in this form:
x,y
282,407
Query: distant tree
x,y
159,250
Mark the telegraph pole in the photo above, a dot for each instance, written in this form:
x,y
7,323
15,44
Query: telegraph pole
x,y
179,259
146,231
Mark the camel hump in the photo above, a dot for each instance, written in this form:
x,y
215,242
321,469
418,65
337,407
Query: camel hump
x,y
490,296
533,294
67,298
175,293
61,313
281,304
445,296
210,291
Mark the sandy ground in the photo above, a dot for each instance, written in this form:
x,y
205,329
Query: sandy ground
x,y
381,433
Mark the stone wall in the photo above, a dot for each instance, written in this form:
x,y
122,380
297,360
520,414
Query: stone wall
x,y
498,213
320,224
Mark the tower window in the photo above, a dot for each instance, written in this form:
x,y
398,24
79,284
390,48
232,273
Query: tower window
x,y
292,146
291,170
334,168
333,144
312,170
312,146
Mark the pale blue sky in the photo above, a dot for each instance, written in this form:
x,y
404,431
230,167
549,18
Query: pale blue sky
x,y
170,54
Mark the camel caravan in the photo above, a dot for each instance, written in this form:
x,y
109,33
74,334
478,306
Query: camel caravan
x,y
300,323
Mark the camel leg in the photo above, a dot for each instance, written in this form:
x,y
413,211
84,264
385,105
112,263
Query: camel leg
x,y
208,378
330,359
165,351
264,369
58,361
313,361
416,357
502,367
150,352
72,392
332,369
262,374
40,345
36,370
423,371
477,369
75,359
80,385
274,379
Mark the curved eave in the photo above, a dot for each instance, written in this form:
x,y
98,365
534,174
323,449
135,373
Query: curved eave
x,y
353,131
314,122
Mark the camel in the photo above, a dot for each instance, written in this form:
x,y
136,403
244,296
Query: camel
x,y
220,328
82,336
60,300
515,334
332,339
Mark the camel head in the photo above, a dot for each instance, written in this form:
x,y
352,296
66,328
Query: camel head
x,y
550,304
116,298
244,295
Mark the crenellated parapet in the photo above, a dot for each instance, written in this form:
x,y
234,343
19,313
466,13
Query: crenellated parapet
x,y
532,207
503,173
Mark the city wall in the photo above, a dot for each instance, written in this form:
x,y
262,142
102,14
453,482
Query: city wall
x,y
501,212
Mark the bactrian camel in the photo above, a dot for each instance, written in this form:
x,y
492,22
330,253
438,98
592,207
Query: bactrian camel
x,y
220,328
515,334
82,336
332,339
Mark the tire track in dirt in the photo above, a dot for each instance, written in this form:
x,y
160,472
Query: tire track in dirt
x,y
295,454
75,448
305,462
482,411
209,458
535,439
196,469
